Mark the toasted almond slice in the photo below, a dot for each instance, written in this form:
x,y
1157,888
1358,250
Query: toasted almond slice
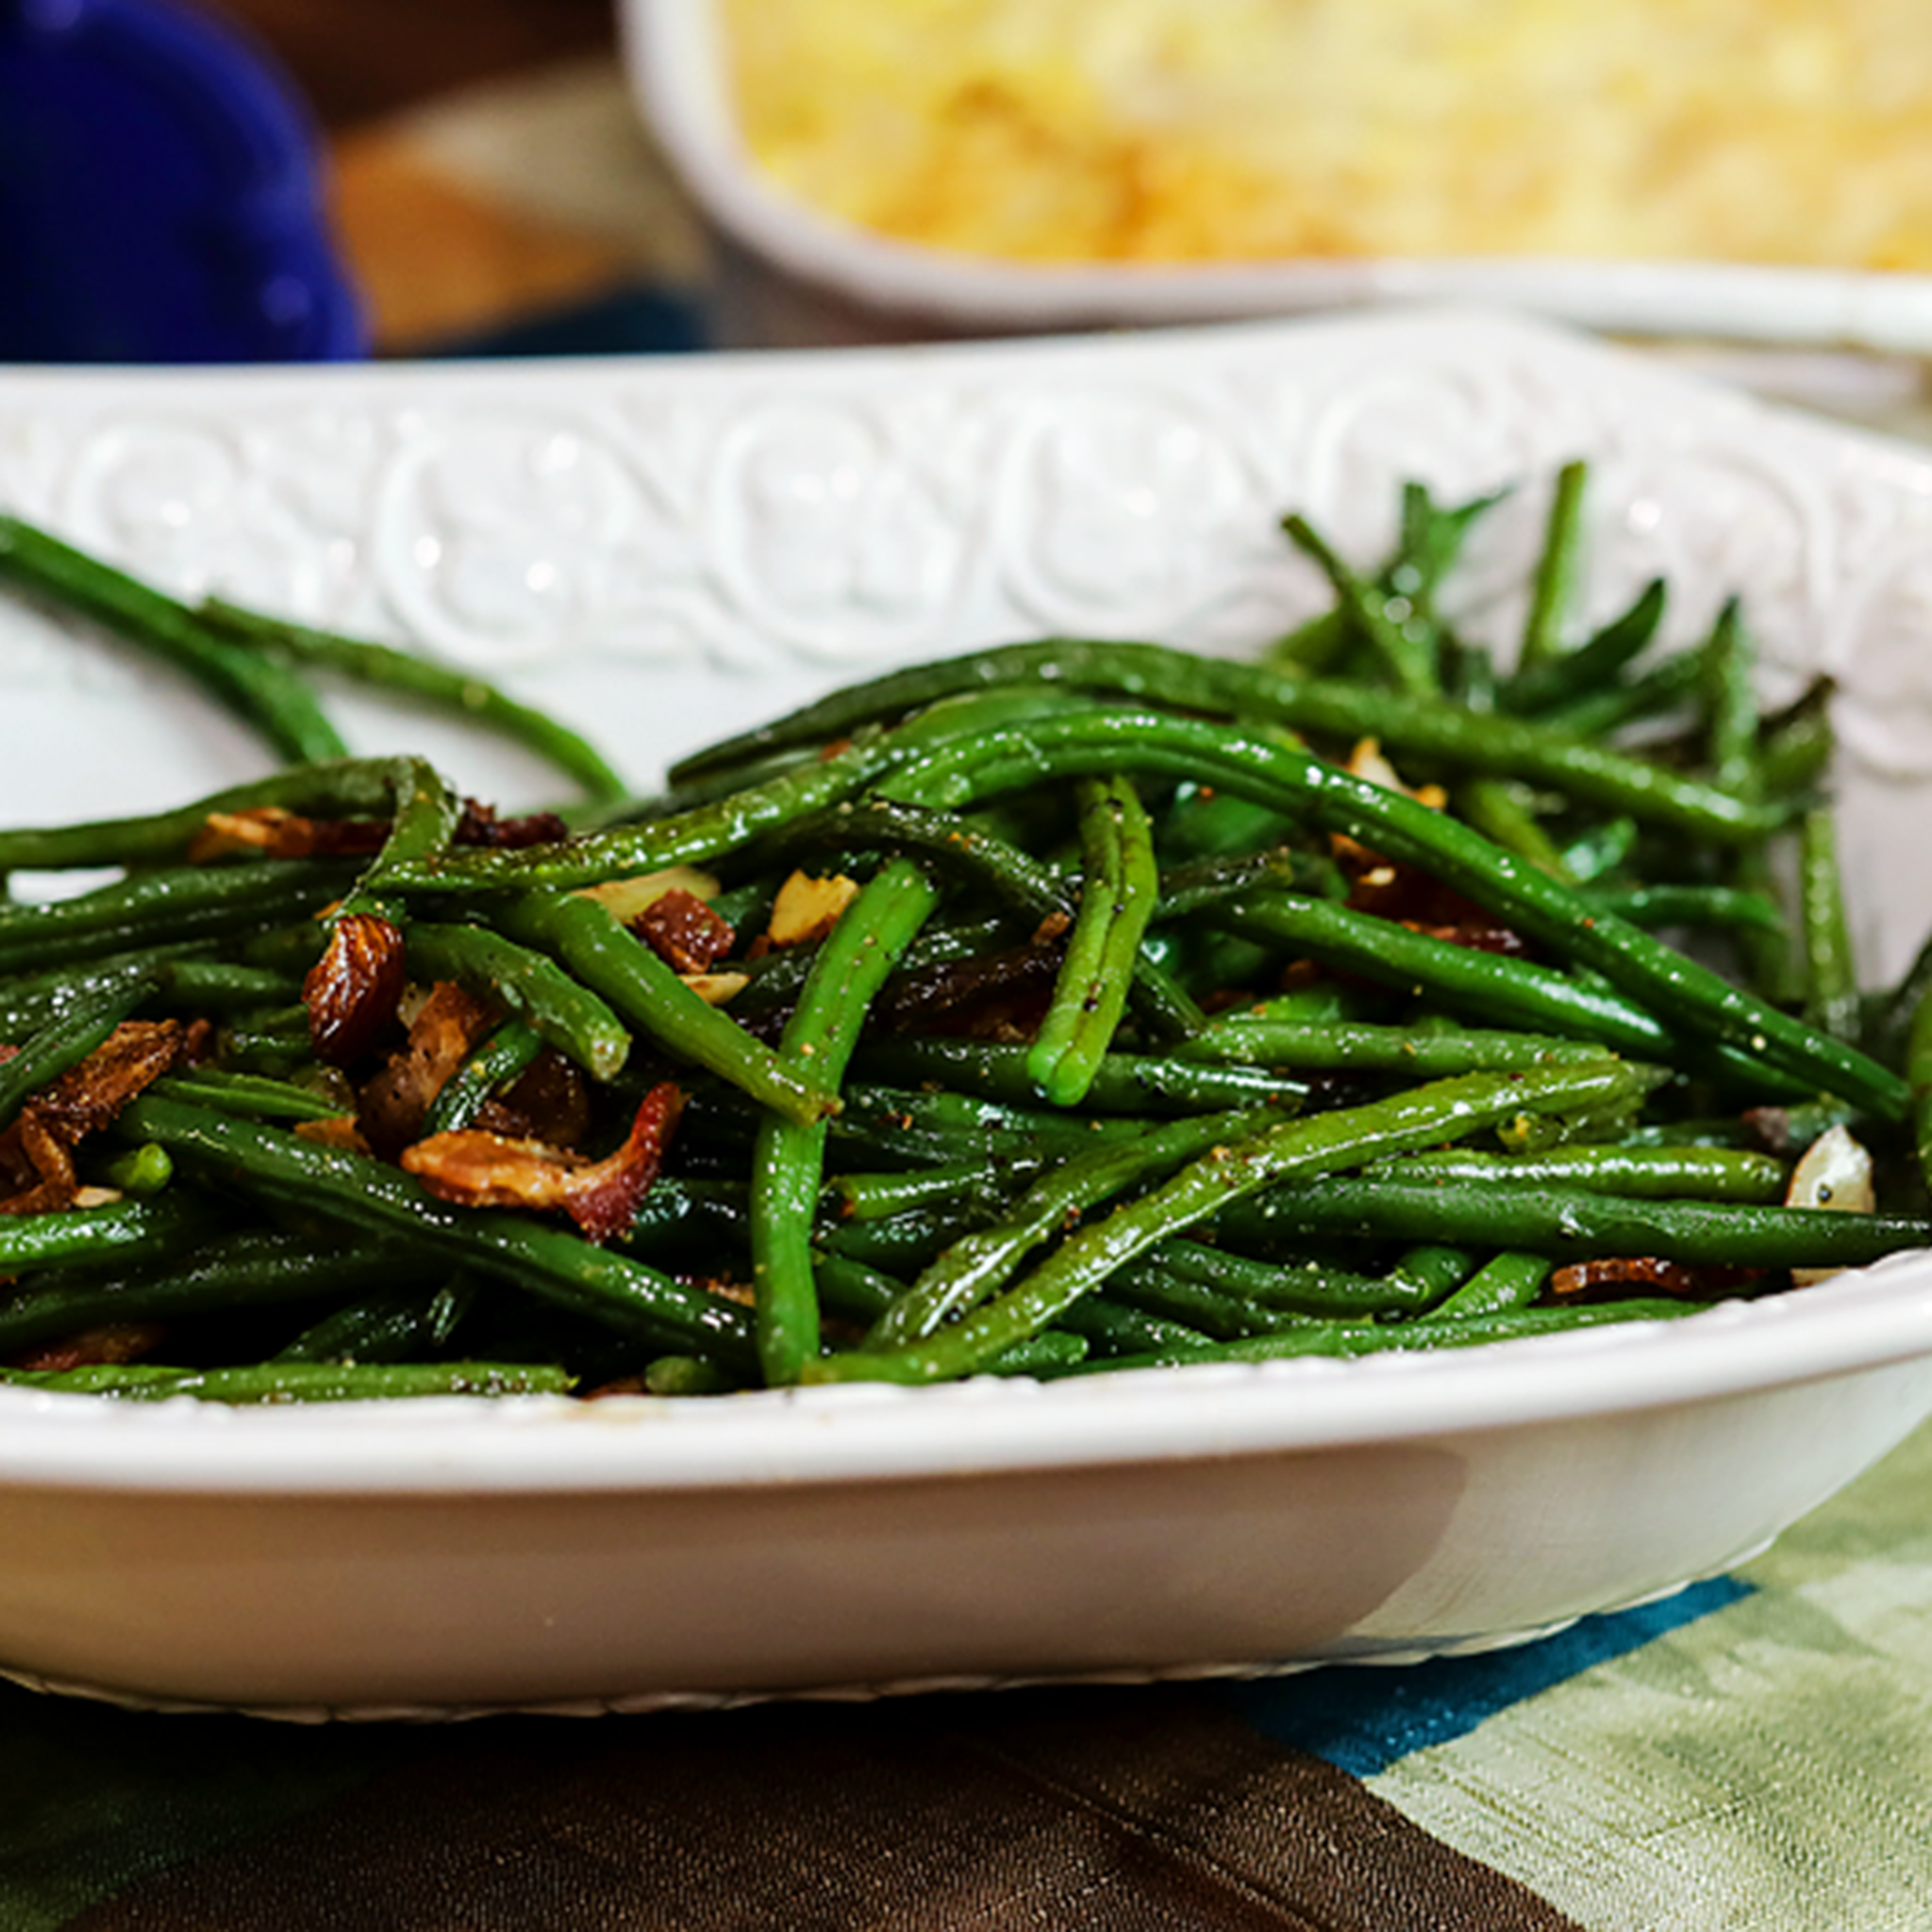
x,y
807,908
716,989
628,898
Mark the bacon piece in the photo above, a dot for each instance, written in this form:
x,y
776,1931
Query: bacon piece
x,y
117,1341
37,1150
549,1101
1477,936
481,825
477,1169
268,831
1648,1272
442,1035
88,1095
683,931
353,990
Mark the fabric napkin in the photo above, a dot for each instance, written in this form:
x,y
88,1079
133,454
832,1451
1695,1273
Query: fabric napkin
x,y
1752,1755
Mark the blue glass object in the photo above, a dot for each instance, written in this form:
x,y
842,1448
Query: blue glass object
x,y
159,194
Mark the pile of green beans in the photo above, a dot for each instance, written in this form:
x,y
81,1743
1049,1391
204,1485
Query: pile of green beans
x,y
1157,1019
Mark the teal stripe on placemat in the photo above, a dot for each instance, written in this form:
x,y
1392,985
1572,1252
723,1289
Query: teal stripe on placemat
x,y
1361,1719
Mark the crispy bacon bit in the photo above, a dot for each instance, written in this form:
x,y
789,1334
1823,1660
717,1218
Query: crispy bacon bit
x,y
1626,1271
683,931
37,1151
443,1032
550,1101
1476,934
353,990
338,1131
807,908
477,1169
1649,1272
481,825
267,831
119,1342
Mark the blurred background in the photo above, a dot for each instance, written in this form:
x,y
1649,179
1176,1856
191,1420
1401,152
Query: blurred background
x,y
478,178
491,182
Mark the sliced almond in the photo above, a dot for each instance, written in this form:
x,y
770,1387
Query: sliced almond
x,y
807,908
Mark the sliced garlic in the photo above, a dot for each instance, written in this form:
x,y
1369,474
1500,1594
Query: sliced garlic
x,y
1834,1173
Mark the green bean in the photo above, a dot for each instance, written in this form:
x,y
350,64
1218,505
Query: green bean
x,y
873,1196
1655,1173
1553,586
1652,907
1124,1083
696,837
688,1375
1502,991
140,1171
509,1051
1573,1223
387,1326
973,1267
1110,1329
1404,646
167,906
788,1161
1680,989
64,1041
1256,1039
252,1095
426,812
593,943
1297,1147
1307,1288
1503,812
1119,884
1428,1273
262,693
459,692
980,857
1349,1340
1580,766
536,990
1795,748
1052,1350
1541,682
912,1126
1918,1065
1731,700
256,1267
332,787
1664,688
369,1196
1505,1281
1831,994
1208,1312
121,1232
221,986
298,1381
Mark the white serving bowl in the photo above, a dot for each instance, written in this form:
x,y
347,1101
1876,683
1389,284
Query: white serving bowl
x,y
791,275
665,551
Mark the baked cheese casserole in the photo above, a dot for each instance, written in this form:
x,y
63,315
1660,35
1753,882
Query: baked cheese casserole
x,y
1186,130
